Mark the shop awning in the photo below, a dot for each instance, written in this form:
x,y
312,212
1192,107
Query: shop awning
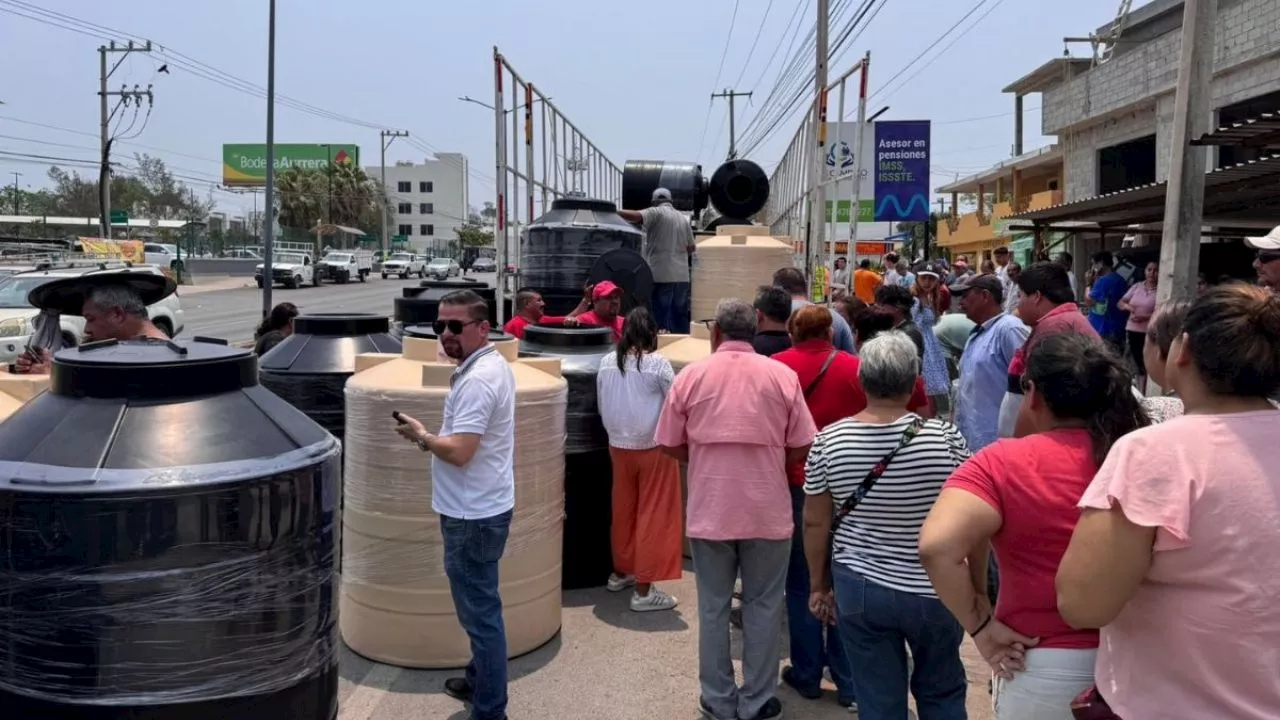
x,y
1241,195
1261,131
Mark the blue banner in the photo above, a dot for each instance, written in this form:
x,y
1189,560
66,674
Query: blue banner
x,y
902,171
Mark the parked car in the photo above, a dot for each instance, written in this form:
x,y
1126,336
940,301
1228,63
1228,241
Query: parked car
x,y
17,315
340,266
291,269
162,255
404,265
243,254
443,268
484,264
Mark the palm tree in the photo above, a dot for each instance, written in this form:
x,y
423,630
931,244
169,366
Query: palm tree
x,y
303,195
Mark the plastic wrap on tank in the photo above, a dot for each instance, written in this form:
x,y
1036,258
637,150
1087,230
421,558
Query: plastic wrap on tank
x,y
580,350
684,179
167,542
560,248
421,305
310,367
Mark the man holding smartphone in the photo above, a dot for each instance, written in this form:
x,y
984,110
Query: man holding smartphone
x,y
473,492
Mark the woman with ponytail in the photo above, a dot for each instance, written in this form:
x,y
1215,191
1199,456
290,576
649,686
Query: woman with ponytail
x,y
1019,496
274,328
631,386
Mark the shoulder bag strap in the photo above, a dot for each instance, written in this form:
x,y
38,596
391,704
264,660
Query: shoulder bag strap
x,y
826,364
873,475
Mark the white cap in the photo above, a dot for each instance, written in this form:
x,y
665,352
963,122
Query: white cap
x,y
1270,241
661,194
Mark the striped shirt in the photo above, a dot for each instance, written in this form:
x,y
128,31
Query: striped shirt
x,y
880,538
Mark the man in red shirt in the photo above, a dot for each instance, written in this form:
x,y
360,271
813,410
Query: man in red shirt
x,y
606,306
529,309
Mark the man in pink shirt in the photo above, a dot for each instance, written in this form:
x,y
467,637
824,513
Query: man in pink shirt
x,y
738,419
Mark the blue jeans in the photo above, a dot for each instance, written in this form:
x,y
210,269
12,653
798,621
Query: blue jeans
x,y
812,646
877,625
670,306
472,549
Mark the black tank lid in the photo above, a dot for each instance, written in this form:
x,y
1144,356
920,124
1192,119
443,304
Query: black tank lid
x,y
152,369
429,333
554,335
628,270
465,283
341,324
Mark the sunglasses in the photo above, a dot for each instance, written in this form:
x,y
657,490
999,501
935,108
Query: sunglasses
x,y
454,327
1266,256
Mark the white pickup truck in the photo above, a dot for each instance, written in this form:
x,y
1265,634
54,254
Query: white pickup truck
x,y
341,266
291,269
404,265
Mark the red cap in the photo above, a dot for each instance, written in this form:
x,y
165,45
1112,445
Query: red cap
x,y
604,288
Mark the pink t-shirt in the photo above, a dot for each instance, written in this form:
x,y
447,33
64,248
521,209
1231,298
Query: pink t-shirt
x,y
738,412
1143,301
1201,637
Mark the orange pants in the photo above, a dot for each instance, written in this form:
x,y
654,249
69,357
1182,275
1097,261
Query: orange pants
x,y
647,515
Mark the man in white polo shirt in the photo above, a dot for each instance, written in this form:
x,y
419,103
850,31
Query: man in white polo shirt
x,y
473,492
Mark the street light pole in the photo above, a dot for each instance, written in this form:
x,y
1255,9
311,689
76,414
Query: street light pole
x,y
268,235
388,137
16,201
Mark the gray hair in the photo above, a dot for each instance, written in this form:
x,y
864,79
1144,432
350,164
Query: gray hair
x,y
736,320
118,297
889,365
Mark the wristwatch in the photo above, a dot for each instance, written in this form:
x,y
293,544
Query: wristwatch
x,y
424,443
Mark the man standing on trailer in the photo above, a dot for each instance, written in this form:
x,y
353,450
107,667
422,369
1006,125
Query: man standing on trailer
x,y
668,242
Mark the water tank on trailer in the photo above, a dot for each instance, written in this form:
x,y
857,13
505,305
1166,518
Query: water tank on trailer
x,y
560,249
684,179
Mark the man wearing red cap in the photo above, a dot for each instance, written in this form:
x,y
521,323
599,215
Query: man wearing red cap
x,y
606,308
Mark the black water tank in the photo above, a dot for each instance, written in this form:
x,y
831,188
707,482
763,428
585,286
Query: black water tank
x,y
429,333
420,305
739,189
167,543
641,177
309,369
588,472
560,248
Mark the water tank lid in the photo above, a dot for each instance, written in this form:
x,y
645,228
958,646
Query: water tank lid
x,y
152,369
429,333
583,203
341,324
464,283
628,270
562,336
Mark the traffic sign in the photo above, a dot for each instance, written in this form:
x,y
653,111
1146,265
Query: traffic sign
x,y
155,222
399,238
119,217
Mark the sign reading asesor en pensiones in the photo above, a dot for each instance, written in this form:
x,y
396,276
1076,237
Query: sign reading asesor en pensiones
x,y
245,165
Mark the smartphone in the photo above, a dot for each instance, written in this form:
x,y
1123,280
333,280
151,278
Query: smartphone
x,y
399,418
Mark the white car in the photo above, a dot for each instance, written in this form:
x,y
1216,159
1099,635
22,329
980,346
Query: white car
x,y
162,255
293,270
17,315
402,264
443,268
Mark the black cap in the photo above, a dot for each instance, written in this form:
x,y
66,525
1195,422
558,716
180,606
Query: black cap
x,y
1002,250
67,295
990,283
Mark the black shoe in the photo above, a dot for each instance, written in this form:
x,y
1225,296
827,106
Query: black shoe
x,y
770,711
808,693
458,688
706,710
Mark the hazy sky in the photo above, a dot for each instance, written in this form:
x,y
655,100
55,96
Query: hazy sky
x,y
635,77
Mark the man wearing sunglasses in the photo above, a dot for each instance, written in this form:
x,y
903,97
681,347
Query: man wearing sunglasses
x,y
473,492
1267,262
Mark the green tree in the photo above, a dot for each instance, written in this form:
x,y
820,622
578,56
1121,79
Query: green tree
x,y
914,245
344,196
489,212
147,189
474,236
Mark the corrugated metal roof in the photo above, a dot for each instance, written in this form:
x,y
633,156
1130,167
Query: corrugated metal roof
x,y
1260,131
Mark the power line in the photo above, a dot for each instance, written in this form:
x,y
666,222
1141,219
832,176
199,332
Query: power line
x,y
944,50
733,19
750,53
930,46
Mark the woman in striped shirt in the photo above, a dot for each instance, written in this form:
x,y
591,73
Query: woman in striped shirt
x,y
872,583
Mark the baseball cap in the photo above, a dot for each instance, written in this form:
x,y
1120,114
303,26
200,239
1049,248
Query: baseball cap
x,y
661,194
1270,241
604,288
990,283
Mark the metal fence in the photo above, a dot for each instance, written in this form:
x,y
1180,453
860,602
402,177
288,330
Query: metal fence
x,y
801,183
539,156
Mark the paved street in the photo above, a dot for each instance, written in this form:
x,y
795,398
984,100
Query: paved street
x,y
232,314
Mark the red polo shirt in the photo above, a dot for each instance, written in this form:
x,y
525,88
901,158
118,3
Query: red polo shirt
x,y
591,318
516,325
838,395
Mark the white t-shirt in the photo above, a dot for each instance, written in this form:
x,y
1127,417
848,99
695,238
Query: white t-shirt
x,y
482,401
631,402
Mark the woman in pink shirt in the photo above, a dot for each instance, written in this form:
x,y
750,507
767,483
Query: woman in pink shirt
x,y
1140,303
1175,555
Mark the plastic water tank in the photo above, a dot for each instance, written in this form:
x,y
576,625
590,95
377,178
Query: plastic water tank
x,y
167,542
421,305
560,248
17,390
395,599
310,367
684,179
588,474
734,263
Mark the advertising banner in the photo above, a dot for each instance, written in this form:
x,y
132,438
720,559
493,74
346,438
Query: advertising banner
x,y
245,165
902,171
840,161
127,250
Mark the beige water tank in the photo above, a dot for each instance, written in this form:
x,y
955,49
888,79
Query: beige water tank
x,y
16,390
680,351
733,263
395,604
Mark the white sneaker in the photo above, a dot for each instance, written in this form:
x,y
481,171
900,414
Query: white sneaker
x,y
655,600
618,583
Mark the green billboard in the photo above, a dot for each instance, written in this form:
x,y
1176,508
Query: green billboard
x,y
245,165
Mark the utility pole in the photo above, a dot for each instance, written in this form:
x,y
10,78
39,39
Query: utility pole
x,y
388,137
269,230
733,136
16,201
816,244
124,95
1184,202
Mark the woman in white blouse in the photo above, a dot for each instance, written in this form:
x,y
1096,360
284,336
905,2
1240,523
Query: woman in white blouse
x,y
631,386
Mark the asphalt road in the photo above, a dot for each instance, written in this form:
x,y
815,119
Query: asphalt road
x,y
233,314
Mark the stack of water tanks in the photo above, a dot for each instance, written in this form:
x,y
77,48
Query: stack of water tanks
x,y
167,542
310,367
588,476
580,240
421,305
734,263
395,599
